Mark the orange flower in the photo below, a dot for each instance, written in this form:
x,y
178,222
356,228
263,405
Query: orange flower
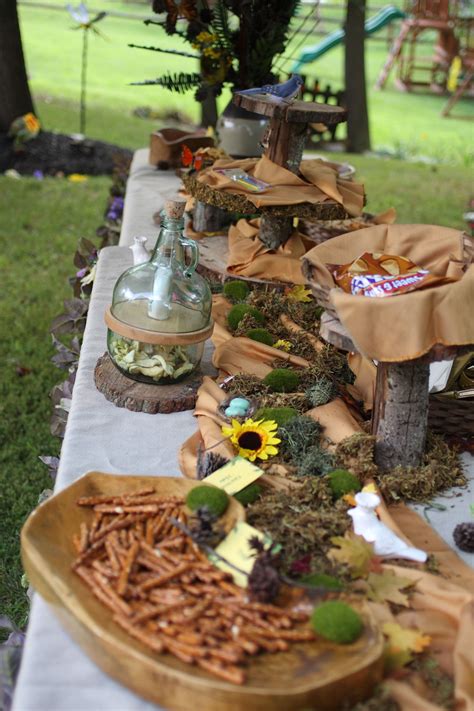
x,y
31,123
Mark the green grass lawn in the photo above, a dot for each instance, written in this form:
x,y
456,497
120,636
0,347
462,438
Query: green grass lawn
x,y
41,223
408,123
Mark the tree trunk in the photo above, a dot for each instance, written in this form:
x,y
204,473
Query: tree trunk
x,y
15,97
358,136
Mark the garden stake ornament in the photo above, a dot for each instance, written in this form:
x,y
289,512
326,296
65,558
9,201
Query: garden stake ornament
x,y
85,23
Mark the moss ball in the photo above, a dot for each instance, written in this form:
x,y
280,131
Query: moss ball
x,y
321,580
282,380
261,335
280,415
248,495
237,312
343,482
336,621
236,290
215,499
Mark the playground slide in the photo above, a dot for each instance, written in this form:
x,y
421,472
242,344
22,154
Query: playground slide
x,y
383,18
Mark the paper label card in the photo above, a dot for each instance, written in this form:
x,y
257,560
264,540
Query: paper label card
x,y
235,475
236,550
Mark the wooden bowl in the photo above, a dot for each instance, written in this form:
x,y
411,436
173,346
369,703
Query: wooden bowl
x,y
311,674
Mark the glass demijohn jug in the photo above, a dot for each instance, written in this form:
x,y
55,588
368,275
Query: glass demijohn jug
x,y
160,315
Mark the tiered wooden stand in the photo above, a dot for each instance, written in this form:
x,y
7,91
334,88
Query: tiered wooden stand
x,y
285,140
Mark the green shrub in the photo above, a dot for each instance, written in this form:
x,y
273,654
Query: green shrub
x,y
261,335
215,499
316,462
298,436
249,494
321,392
343,482
236,291
280,415
336,621
237,313
282,380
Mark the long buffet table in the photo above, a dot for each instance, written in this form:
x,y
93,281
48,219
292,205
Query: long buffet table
x,y
55,674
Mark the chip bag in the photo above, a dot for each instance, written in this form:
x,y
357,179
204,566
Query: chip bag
x,y
378,275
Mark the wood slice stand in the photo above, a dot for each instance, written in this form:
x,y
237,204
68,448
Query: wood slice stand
x,y
401,403
144,397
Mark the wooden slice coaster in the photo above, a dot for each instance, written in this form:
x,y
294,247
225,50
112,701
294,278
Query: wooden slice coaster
x,y
152,399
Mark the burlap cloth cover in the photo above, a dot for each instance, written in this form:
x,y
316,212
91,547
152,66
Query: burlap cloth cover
x,y
406,326
320,183
249,257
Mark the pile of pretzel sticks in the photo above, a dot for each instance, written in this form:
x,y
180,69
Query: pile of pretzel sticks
x,y
165,593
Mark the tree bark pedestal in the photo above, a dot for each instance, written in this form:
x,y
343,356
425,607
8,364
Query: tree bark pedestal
x,y
400,415
207,218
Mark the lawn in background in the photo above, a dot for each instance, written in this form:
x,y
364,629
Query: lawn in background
x,y
40,225
409,124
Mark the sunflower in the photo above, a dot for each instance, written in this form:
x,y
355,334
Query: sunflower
x,y
253,440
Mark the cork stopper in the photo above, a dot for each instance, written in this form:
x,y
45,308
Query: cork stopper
x,y
174,207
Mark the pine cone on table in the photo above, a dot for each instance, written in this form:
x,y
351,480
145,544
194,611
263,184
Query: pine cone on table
x,y
463,536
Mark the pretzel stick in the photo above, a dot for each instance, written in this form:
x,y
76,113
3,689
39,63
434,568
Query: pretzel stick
x,y
229,673
153,642
125,573
156,582
107,499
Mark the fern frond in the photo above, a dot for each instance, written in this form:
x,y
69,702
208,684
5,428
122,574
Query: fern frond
x,y
174,82
220,24
166,51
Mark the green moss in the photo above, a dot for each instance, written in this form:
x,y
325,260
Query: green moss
x,y
215,499
298,436
280,415
249,495
237,313
321,580
336,621
342,482
316,462
236,290
261,335
321,392
282,380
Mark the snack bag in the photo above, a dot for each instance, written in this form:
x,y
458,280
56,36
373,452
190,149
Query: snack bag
x,y
377,275
244,180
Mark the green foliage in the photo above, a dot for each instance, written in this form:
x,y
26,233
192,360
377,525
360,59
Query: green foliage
x,y
315,462
282,380
180,83
280,415
216,500
220,24
337,621
321,392
343,482
298,436
35,267
236,290
322,580
261,335
237,312
249,495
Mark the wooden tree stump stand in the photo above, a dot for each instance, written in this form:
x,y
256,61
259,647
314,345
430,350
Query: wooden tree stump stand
x,y
286,136
400,411
152,399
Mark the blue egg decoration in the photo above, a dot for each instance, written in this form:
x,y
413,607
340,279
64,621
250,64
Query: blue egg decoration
x,y
240,402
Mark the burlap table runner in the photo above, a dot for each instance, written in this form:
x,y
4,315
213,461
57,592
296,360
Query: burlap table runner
x,y
405,326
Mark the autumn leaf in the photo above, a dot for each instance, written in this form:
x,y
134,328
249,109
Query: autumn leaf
x,y
387,587
402,642
354,552
298,293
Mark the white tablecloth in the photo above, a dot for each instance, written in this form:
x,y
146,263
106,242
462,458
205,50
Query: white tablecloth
x,y
55,675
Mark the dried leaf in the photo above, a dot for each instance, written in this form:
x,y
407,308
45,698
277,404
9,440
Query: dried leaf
x,y
402,642
299,293
354,552
387,587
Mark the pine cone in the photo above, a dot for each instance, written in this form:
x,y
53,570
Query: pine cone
x,y
263,582
208,462
204,528
463,536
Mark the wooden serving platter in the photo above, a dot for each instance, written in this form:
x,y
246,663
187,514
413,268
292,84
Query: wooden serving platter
x,y
312,675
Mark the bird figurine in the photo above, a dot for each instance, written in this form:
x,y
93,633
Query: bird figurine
x,y
286,92
368,525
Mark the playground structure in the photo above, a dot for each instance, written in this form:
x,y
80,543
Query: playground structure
x,y
374,24
426,16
